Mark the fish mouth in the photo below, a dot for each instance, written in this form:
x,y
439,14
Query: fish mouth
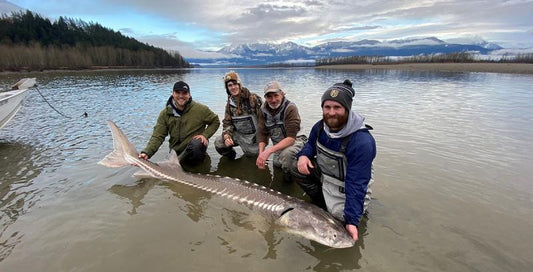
x,y
346,244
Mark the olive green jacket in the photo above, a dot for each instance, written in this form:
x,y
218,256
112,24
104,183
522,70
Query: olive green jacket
x,y
196,119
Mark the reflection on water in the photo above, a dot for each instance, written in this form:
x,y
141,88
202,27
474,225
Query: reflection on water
x,y
134,193
339,260
18,169
453,188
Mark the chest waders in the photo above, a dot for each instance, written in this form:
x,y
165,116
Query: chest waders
x,y
333,165
245,133
275,124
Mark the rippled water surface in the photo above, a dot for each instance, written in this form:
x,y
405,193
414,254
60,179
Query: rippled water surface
x,y
453,188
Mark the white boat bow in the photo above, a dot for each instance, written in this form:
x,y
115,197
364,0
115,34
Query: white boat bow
x,y
11,101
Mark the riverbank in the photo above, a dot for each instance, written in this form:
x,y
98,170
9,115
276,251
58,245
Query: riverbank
x,y
94,69
515,68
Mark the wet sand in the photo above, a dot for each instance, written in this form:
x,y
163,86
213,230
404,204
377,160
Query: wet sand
x,y
515,68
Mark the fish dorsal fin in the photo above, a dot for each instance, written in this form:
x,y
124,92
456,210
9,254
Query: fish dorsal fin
x,y
173,157
172,163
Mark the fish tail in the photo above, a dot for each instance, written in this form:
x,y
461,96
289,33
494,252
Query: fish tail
x,y
121,148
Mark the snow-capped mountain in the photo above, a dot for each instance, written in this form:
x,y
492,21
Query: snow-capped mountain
x,y
290,52
265,49
475,40
7,7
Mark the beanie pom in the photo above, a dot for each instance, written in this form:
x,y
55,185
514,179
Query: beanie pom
x,y
347,82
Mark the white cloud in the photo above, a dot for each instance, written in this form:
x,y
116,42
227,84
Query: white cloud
x,y
216,23
278,21
171,43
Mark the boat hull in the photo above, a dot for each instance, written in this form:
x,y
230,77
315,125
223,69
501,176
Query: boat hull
x,y
10,103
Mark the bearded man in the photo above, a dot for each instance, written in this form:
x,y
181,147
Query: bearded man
x,y
335,166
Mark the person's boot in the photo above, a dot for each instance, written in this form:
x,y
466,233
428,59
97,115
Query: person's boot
x,y
312,187
227,152
231,154
314,191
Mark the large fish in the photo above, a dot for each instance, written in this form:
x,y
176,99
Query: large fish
x,y
294,215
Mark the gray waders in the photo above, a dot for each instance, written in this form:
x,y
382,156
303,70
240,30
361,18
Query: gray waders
x,y
244,136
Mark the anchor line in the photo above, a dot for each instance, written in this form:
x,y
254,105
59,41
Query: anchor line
x,y
51,106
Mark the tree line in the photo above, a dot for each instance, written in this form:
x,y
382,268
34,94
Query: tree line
x,y
31,42
459,57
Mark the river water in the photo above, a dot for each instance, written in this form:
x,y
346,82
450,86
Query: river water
x,y
453,177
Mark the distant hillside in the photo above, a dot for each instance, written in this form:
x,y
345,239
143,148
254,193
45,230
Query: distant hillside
x,y
31,42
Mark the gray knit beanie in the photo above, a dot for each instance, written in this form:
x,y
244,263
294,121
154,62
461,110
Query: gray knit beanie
x,y
340,92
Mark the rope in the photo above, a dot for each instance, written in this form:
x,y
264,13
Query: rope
x,y
84,114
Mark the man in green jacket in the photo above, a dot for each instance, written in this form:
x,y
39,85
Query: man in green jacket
x,y
189,124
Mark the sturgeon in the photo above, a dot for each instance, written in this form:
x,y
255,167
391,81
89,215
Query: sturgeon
x,y
291,214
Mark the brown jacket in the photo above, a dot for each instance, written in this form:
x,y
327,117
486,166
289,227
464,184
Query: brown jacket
x,y
291,122
247,103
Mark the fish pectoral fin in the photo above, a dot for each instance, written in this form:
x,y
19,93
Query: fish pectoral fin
x,y
142,174
113,159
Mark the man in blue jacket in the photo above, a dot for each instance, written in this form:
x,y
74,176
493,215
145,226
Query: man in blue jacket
x,y
335,165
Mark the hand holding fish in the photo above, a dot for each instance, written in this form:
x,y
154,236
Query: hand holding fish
x,y
352,229
143,156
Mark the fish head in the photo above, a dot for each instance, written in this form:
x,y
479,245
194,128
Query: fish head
x,y
316,224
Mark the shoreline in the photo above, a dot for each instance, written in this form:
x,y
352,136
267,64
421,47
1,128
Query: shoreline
x,y
485,67
94,69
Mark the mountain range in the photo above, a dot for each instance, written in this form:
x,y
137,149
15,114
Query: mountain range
x,y
252,54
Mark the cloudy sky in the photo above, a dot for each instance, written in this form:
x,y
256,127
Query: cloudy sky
x,y
189,26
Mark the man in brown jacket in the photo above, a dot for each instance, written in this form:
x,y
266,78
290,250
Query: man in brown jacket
x,y
280,122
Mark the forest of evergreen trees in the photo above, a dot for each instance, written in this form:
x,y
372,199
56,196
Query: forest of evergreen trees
x,y
31,42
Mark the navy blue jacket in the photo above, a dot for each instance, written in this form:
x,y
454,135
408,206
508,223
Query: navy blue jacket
x,y
360,152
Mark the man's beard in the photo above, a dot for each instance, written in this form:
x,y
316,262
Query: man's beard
x,y
336,122
180,102
274,106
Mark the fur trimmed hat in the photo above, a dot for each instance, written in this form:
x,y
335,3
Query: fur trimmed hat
x,y
340,92
231,76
